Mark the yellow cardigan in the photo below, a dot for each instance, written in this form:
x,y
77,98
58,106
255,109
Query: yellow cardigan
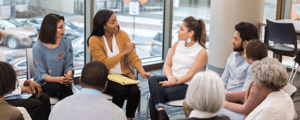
x,y
99,52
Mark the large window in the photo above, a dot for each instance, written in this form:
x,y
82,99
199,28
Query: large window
x,y
270,10
295,12
20,23
199,9
145,27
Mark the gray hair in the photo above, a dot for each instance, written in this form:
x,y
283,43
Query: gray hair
x,y
206,92
269,73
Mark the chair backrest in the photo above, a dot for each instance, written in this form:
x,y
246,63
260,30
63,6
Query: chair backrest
x,y
162,71
30,67
291,90
281,33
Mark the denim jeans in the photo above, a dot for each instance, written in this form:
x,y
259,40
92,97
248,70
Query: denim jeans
x,y
160,94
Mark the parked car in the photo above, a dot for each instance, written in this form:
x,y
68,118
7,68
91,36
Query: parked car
x,y
156,43
15,34
18,60
20,64
71,29
78,47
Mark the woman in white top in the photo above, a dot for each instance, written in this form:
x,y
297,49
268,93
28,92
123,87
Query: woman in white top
x,y
271,76
187,57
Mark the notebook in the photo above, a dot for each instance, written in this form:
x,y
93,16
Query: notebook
x,y
20,96
122,79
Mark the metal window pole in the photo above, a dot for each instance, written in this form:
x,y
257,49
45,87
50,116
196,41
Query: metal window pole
x,y
13,8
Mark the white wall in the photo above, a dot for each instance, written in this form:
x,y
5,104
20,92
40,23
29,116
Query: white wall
x,y
225,14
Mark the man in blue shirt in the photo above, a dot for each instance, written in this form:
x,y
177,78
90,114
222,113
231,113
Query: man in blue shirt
x,y
89,103
236,76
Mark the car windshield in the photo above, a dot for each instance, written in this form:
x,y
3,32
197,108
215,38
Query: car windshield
x,y
7,24
71,25
36,21
13,21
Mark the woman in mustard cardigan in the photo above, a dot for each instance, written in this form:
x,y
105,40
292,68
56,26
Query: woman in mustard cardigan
x,y
113,47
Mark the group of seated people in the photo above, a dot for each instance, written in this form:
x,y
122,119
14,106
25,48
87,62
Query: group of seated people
x,y
254,84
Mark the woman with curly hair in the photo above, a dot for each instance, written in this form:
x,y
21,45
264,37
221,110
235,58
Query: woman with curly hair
x,y
8,81
271,76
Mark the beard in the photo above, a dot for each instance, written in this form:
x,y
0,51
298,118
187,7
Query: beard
x,y
238,49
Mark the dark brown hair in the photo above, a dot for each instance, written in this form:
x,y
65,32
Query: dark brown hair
x,y
48,30
198,26
256,50
247,31
8,78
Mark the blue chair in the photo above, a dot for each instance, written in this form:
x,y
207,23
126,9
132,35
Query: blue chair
x,y
281,34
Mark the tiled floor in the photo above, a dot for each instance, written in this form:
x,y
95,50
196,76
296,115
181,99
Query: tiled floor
x,y
177,112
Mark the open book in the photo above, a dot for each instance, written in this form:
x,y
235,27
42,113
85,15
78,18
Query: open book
x,y
122,79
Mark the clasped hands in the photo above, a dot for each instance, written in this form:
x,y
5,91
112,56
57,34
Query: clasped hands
x,y
67,78
171,81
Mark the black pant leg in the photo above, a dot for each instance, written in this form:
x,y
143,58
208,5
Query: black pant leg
x,y
118,91
133,99
44,98
57,90
33,106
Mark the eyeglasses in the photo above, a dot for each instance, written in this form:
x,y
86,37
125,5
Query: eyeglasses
x,y
61,27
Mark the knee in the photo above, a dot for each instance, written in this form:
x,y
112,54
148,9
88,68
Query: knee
x,y
153,80
135,91
34,103
122,90
45,98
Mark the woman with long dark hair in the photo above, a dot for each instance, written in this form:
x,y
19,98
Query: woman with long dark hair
x,y
112,46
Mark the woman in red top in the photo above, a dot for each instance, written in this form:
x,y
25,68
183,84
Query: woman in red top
x,y
255,50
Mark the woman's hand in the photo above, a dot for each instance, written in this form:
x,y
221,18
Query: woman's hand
x,y
129,47
64,81
146,74
69,74
172,80
68,78
165,84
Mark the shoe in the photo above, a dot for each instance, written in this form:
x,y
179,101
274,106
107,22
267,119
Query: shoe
x,y
162,115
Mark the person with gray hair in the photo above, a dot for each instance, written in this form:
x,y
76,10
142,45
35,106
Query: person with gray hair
x,y
271,76
206,95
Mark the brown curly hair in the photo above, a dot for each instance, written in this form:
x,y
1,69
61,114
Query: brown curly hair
x,y
8,78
